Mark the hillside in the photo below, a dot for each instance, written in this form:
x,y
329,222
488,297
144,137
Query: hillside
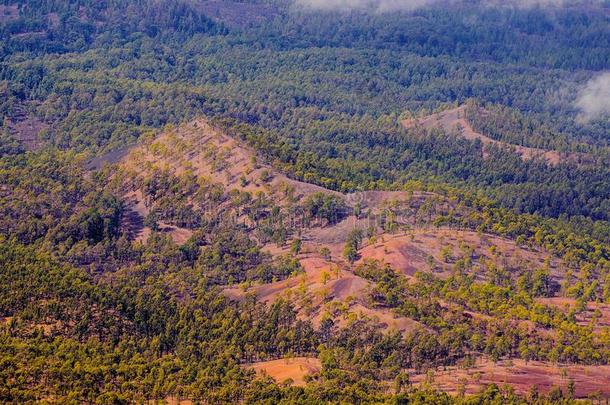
x,y
202,213
237,184
329,287
221,202
454,121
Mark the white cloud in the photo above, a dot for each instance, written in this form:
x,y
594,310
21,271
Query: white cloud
x,y
382,6
593,99
542,3
379,6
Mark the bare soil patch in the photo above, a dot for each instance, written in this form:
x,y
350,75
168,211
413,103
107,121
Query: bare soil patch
x,y
26,128
403,205
326,288
422,250
8,13
133,222
387,318
208,153
521,376
454,121
294,369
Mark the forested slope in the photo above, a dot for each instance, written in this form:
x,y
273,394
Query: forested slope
x,y
261,200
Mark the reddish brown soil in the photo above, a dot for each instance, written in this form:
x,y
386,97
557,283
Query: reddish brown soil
x,y
387,318
205,151
410,252
133,222
320,277
289,368
6,319
374,202
8,13
453,121
26,129
336,234
326,287
211,155
521,376
312,280
594,310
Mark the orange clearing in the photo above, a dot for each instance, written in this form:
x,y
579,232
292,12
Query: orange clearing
x,y
289,368
521,376
453,120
